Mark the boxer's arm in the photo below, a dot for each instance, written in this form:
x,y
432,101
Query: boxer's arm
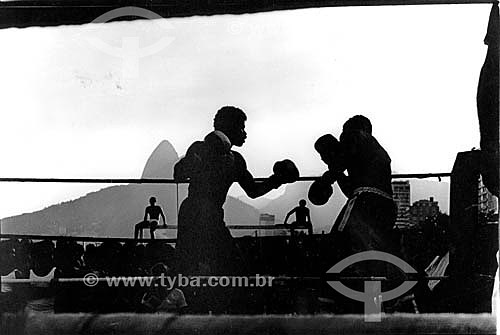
x,y
247,182
342,180
345,184
353,148
256,189
284,172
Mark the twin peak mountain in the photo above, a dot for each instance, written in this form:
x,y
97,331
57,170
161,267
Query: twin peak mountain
x,y
113,211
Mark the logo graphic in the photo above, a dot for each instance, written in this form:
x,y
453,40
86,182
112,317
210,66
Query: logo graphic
x,y
130,51
373,295
90,279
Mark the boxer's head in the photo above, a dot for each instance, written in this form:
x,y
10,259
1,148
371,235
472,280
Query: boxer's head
x,y
328,148
231,121
358,123
302,203
152,201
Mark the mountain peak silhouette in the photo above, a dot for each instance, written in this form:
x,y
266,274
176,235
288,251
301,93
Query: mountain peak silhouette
x,y
113,211
161,161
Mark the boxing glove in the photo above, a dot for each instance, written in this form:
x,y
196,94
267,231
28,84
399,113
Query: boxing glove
x,y
285,172
320,192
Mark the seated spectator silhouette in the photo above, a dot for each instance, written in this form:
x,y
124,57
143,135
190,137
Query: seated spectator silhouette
x,y
302,218
154,212
9,294
41,294
69,264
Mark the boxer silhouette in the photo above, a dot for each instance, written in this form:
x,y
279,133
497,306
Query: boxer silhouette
x,y
204,244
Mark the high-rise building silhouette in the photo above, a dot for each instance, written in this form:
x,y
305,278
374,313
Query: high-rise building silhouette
x,y
266,220
422,210
401,195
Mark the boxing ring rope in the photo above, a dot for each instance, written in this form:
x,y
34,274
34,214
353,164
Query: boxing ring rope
x,y
161,181
280,278
176,181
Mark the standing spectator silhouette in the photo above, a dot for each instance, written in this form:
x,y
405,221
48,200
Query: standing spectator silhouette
x,y
204,244
154,212
302,218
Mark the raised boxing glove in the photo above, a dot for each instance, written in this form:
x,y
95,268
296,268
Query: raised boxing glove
x,y
285,172
320,192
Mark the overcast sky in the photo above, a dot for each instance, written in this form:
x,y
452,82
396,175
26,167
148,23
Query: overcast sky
x,y
69,108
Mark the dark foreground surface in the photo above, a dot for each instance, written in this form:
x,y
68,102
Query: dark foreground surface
x,y
47,324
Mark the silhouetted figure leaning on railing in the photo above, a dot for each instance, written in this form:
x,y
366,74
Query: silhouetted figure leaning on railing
x,y
154,212
302,218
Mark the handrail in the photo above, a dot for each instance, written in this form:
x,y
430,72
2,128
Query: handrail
x,y
245,227
142,240
84,238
